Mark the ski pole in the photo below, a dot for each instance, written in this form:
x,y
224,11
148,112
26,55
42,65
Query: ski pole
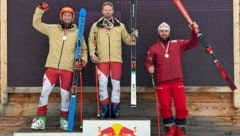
x,y
156,99
97,91
96,77
81,101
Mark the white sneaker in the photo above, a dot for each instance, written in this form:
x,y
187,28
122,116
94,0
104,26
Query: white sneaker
x,y
38,124
64,124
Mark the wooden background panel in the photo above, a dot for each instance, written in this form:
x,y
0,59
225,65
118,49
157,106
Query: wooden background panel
x,y
142,97
143,109
199,104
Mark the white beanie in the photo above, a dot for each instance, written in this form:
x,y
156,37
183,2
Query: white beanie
x,y
163,26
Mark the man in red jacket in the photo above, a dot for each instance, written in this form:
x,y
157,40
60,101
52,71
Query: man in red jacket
x,y
165,59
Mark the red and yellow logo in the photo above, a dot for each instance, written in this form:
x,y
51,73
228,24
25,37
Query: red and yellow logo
x,y
117,130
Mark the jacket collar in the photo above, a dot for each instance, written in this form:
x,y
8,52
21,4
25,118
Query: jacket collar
x,y
160,41
116,22
71,29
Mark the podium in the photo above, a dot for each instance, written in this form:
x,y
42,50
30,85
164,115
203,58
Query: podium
x,y
116,128
39,133
97,127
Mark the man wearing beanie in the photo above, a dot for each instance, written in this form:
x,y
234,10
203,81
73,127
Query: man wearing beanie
x,y
164,58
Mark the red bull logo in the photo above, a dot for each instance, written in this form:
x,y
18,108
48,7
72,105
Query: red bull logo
x,y
117,130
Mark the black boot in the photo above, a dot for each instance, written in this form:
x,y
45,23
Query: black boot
x,y
115,110
104,113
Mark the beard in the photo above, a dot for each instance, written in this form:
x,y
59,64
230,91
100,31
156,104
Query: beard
x,y
66,25
164,39
108,16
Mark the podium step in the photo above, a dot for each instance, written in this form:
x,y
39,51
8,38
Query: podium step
x,y
117,127
48,134
95,127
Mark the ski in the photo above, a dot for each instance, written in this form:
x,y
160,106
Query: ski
x,y
96,77
133,4
77,77
207,47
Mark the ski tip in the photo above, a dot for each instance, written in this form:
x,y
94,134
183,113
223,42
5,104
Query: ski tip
x,y
83,11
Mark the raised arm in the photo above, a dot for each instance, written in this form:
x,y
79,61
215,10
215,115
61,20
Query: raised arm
x,y
37,18
193,42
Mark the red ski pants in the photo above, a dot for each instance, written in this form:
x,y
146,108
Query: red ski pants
x,y
114,70
50,78
168,91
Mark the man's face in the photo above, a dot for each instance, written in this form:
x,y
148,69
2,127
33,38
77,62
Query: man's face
x,y
107,11
67,17
164,34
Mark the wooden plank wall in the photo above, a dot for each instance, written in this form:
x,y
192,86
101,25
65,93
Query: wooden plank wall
x,y
199,104
212,113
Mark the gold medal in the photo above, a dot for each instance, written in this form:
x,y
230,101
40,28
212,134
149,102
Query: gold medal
x,y
64,38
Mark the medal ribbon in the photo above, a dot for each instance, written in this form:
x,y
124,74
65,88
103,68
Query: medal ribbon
x,y
166,49
65,34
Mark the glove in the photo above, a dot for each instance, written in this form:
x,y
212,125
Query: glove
x,y
194,26
135,33
94,58
151,69
44,6
80,65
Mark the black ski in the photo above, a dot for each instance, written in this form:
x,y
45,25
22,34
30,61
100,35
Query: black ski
x,y
133,4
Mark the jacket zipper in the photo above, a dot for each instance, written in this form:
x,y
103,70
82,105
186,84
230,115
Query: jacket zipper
x,y
109,47
65,34
170,66
61,54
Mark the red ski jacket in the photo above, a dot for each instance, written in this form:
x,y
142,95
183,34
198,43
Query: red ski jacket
x,y
168,64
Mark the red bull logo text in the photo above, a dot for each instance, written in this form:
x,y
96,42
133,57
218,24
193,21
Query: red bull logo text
x,y
117,130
